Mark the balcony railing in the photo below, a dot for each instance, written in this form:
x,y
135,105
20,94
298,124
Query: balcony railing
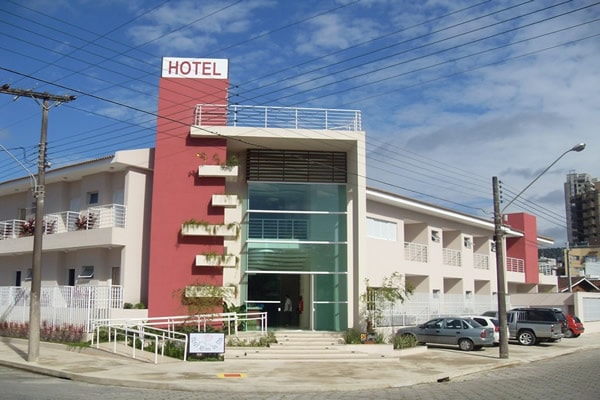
x,y
270,228
515,264
415,252
105,216
481,261
277,117
452,257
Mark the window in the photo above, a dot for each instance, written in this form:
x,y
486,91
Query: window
x,y
29,275
435,236
468,242
87,272
93,198
380,229
436,293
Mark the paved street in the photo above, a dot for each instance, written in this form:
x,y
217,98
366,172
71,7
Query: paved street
x,y
552,379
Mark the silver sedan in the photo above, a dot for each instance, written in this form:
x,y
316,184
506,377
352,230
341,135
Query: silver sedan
x,y
465,333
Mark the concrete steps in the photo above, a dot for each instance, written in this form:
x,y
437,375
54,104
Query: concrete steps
x,y
308,345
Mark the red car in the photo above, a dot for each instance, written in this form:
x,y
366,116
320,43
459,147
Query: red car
x,y
575,327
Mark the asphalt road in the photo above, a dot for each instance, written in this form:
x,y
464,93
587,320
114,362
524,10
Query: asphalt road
x,y
571,376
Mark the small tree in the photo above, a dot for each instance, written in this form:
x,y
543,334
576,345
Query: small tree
x,y
377,299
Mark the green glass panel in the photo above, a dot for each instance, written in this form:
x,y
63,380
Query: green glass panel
x,y
296,257
331,287
296,197
313,227
331,316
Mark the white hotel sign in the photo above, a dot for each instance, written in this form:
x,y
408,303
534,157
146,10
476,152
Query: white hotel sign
x,y
197,68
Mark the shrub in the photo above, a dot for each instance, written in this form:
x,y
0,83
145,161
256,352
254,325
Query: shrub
x,y
404,342
352,336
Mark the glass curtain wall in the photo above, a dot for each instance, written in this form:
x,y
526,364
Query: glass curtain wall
x,y
297,242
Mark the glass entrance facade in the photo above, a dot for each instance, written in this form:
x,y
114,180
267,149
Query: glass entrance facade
x,y
299,230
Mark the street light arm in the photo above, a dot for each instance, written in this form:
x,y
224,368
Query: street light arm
x,y
33,178
579,147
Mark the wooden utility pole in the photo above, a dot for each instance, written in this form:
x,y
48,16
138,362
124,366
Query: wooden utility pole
x,y
33,352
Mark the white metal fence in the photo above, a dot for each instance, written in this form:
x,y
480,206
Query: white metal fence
x,y
419,308
60,305
278,117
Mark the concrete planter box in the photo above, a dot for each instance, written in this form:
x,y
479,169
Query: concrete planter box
x,y
209,230
225,261
225,200
227,292
217,171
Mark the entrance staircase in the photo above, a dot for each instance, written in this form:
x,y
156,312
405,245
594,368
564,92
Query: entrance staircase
x,y
309,345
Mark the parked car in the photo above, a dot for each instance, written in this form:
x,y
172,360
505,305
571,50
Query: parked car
x,y
532,325
465,333
488,322
575,327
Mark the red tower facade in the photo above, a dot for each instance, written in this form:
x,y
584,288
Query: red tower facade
x,y
178,194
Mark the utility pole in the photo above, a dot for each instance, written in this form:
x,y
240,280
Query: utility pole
x,y
33,349
501,283
568,267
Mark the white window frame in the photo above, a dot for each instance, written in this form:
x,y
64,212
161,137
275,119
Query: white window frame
x,y
381,229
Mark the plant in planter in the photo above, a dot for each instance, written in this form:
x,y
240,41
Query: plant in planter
x,y
28,227
85,221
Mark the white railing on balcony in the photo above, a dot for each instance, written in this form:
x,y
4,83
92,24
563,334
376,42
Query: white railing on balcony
x,y
105,216
515,264
547,269
451,257
277,117
415,252
271,228
481,261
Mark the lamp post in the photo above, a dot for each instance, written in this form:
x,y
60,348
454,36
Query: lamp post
x,y
499,238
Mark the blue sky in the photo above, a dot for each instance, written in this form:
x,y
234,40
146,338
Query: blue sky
x,y
451,92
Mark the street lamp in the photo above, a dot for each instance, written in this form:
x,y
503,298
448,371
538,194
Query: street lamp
x,y
499,238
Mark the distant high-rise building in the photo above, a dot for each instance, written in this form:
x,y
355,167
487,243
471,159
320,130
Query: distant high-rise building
x,y
582,202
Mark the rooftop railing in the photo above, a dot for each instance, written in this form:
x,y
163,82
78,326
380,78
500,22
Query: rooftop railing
x,y
277,117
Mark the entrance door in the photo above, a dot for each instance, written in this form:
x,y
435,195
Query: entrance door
x,y
267,293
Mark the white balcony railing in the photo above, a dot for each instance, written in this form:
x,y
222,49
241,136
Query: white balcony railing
x,y
105,216
451,257
481,261
277,117
515,264
415,252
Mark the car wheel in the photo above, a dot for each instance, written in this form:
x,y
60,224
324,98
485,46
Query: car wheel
x,y
526,338
569,334
465,345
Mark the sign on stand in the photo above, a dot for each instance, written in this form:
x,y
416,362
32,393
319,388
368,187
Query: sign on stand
x,y
207,343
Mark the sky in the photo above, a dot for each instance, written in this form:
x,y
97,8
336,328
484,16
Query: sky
x,y
452,93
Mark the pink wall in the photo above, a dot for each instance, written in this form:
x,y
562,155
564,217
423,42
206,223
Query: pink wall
x,y
526,247
179,195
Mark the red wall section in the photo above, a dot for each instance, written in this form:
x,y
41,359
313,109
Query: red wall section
x,y
526,247
179,195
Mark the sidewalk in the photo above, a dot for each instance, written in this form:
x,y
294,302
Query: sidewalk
x,y
410,367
